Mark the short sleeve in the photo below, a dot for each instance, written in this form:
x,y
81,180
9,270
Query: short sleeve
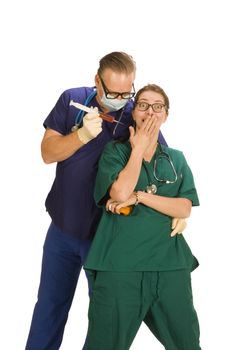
x,y
63,116
56,119
113,159
187,187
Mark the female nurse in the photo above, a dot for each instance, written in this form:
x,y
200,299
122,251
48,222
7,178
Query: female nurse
x,y
140,272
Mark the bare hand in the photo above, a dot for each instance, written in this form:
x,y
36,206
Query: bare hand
x,y
110,205
148,131
114,206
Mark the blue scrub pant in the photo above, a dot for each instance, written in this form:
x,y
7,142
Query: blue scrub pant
x,y
63,258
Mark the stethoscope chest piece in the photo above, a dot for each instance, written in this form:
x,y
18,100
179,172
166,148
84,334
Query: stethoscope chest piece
x,y
151,189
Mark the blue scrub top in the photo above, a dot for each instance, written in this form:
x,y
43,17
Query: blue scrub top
x,y
70,202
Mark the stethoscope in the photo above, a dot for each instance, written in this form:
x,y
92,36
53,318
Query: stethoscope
x,y
162,155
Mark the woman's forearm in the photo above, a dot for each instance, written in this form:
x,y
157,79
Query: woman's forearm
x,y
174,207
127,179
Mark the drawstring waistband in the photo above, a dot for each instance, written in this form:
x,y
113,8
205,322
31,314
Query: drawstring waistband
x,y
149,291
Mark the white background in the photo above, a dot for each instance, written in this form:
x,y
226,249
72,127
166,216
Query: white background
x,y
49,46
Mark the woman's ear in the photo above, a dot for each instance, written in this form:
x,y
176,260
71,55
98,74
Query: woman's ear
x,y
134,122
165,117
133,114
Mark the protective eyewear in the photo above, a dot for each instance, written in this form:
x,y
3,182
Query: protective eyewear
x,y
113,95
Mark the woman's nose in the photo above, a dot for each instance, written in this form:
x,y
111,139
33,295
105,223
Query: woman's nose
x,y
150,111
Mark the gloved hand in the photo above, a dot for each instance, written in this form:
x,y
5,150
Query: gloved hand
x,y
92,126
178,226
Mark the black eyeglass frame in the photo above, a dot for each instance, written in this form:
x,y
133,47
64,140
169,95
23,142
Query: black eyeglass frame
x,y
124,95
151,105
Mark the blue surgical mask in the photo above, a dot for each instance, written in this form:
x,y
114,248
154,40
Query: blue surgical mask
x,y
113,104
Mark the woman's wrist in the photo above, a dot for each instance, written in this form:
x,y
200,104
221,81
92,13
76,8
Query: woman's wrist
x,y
137,152
138,197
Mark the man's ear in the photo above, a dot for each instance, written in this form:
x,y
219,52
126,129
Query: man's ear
x,y
97,80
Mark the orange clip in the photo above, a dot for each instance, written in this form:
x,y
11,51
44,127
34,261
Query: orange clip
x,y
126,210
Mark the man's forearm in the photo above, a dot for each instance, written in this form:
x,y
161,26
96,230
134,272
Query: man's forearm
x,y
56,147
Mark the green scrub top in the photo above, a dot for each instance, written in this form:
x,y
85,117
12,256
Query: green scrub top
x,y
141,241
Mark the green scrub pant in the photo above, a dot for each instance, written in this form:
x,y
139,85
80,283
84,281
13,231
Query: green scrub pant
x,y
121,301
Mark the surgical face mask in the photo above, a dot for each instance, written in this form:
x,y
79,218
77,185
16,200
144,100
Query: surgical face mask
x,y
113,104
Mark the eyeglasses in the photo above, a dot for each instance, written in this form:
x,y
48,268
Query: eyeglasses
x,y
144,106
113,95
